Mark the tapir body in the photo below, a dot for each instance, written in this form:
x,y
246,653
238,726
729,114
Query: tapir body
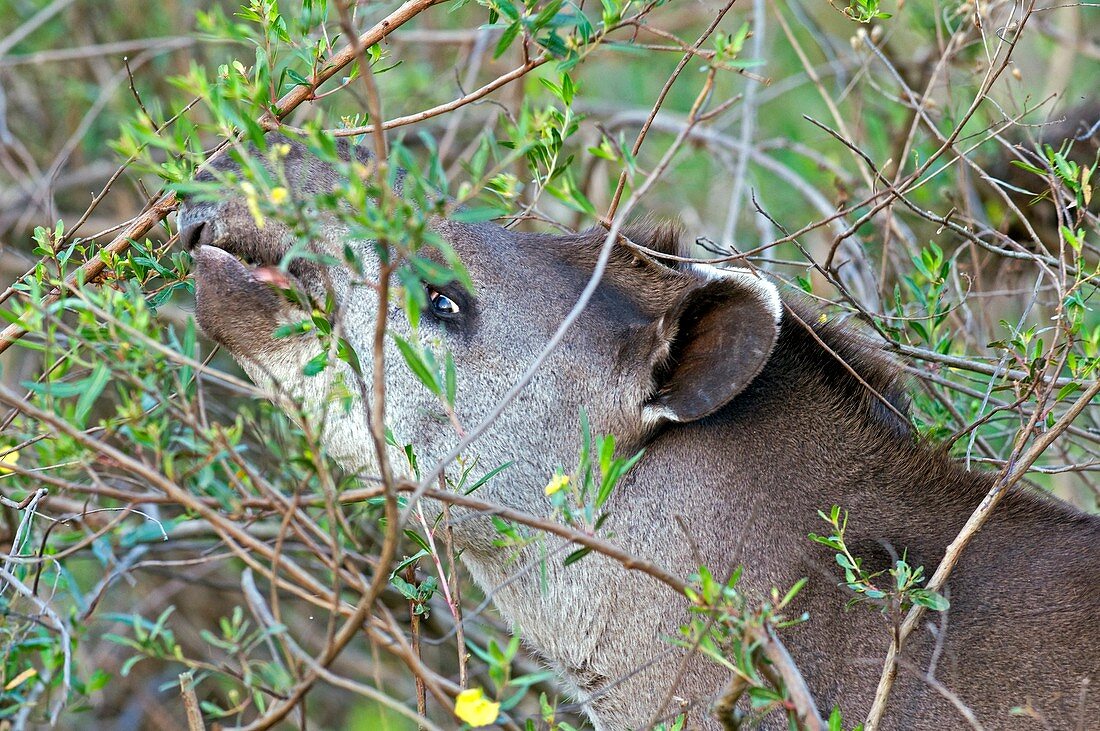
x,y
751,421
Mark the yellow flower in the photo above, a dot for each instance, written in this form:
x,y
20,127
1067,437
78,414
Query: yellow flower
x,y
557,483
279,195
474,708
11,458
253,202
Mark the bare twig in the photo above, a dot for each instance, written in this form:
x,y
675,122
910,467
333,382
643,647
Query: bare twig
x,y
809,718
100,49
168,202
33,24
66,643
1012,474
191,702
610,216
575,312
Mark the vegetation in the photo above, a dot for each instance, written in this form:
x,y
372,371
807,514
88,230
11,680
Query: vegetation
x,y
180,553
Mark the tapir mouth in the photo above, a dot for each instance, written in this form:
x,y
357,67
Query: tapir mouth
x,y
238,276
260,261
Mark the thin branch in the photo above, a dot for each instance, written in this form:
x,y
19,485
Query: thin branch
x,y
168,203
575,312
1011,474
191,702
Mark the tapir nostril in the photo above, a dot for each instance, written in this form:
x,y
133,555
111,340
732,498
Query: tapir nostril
x,y
191,235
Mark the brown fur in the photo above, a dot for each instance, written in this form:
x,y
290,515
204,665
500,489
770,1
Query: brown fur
x,y
750,427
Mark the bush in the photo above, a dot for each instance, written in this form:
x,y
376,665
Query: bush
x,y
180,547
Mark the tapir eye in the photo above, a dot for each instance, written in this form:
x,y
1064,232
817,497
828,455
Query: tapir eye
x,y
443,305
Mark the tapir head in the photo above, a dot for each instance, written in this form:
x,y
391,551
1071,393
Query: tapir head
x,y
658,344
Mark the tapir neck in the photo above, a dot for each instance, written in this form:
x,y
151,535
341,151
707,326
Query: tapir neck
x,y
799,440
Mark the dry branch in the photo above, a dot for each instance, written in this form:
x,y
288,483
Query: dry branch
x,y
1014,471
191,702
168,203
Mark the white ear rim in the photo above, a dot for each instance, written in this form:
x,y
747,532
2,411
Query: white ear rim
x,y
654,415
764,290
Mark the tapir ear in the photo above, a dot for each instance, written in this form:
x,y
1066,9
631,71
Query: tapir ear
x,y
715,340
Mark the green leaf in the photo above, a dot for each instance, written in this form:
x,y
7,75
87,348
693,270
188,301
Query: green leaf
x,y
97,681
826,541
1027,166
56,389
346,352
432,272
576,556
418,539
477,214
296,77
93,387
408,561
930,600
760,697
793,591
450,379
416,298
316,364
129,665
407,590
415,360
606,453
546,15
506,39
488,476
1068,389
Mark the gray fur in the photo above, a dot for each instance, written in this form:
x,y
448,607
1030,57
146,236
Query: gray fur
x,y
749,428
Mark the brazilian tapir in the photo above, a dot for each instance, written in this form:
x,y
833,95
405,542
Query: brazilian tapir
x,y
750,423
